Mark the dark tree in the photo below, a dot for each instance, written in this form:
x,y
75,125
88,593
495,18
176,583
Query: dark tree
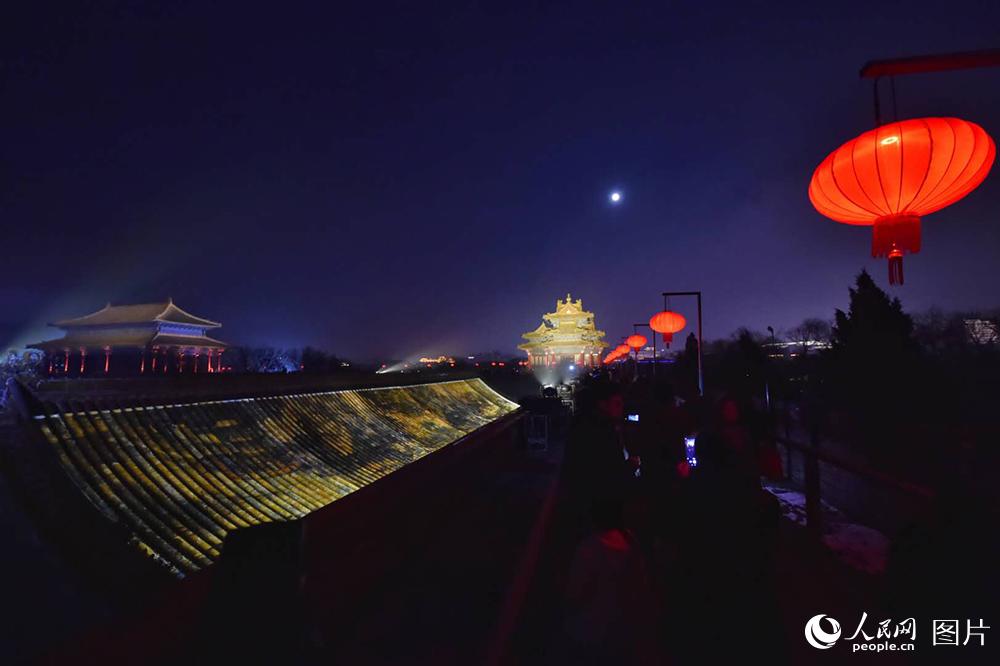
x,y
691,347
270,360
750,363
875,365
27,366
684,374
874,329
737,365
317,361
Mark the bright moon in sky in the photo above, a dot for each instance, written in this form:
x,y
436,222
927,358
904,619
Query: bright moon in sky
x,y
616,197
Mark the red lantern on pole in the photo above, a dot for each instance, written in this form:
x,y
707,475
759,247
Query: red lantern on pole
x,y
891,176
636,341
667,323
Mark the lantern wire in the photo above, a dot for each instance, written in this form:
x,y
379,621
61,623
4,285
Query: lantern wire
x,y
892,87
878,114
878,108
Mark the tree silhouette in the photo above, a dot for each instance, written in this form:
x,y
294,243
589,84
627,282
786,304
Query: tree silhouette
x,y
685,370
875,362
874,330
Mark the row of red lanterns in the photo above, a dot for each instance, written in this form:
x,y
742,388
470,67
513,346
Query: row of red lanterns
x,y
666,323
887,178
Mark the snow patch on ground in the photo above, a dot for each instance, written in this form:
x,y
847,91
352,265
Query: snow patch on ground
x,y
858,546
861,547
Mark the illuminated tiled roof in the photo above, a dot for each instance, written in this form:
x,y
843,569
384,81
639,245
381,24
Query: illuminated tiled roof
x,y
570,330
144,313
138,326
182,476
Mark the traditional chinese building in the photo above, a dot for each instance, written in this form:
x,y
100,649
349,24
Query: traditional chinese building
x,y
129,340
566,335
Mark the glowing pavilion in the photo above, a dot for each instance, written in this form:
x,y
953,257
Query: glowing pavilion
x,y
129,340
568,335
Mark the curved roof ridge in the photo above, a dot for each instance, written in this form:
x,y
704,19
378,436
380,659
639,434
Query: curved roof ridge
x,y
139,313
191,319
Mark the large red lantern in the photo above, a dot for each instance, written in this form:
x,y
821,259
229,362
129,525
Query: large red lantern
x,y
893,175
636,341
667,323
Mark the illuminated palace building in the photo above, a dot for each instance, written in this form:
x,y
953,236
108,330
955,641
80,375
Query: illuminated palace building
x,y
567,335
130,340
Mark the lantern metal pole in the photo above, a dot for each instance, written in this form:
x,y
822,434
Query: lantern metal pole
x,y
701,379
878,110
636,350
652,335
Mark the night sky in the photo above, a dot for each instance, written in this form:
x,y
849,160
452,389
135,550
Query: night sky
x,y
400,179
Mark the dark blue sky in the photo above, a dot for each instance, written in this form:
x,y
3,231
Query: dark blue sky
x,y
402,179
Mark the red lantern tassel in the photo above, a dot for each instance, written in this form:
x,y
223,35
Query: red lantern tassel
x,y
892,237
895,267
667,339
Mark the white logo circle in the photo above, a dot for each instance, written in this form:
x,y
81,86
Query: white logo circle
x,y
817,637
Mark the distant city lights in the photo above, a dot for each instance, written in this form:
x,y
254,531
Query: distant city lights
x,y
439,359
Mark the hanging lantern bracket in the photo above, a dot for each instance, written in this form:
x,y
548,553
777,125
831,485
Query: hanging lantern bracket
x,y
941,62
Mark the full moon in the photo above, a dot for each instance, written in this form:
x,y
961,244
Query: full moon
x,y
615,197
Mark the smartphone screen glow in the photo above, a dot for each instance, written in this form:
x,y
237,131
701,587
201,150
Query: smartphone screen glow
x,y
692,459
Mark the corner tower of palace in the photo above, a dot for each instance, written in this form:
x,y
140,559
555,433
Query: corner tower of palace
x,y
567,335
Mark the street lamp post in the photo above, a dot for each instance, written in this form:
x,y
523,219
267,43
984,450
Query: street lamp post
x,y
697,294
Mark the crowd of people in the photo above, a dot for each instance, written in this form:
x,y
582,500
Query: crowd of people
x,y
675,533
